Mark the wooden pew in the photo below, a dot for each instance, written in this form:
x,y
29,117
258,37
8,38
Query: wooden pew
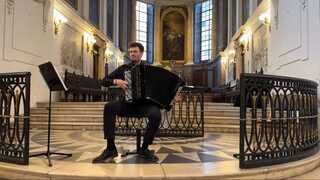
x,y
89,89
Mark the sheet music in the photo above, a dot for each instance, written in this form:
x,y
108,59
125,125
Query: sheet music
x,y
62,82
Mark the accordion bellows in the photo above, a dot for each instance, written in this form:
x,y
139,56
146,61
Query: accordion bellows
x,y
154,84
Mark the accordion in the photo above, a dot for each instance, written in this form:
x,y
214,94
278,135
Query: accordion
x,y
154,84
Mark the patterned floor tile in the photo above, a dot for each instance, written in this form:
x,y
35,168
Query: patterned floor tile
x,y
86,145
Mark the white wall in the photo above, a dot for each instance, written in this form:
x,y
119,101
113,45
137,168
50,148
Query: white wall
x,y
295,41
26,41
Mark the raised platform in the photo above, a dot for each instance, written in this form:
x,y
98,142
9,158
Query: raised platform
x,y
209,157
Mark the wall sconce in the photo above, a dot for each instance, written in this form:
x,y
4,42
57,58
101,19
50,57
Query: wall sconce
x,y
108,54
224,57
90,40
244,40
231,54
266,19
59,19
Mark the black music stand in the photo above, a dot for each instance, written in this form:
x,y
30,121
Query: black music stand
x,y
55,83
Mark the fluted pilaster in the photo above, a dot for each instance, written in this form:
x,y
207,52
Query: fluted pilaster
x,y
189,37
157,27
214,42
134,23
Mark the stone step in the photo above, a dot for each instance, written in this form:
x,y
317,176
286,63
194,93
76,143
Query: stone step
x,y
221,120
222,128
95,110
207,105
68,125
219,106
67,118
71,104
99,118
67,110
218,117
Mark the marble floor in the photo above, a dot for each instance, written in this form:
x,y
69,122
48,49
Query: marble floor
x,y
208,157
85,145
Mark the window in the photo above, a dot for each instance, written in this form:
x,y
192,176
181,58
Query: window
x,y
73,3
206,30
233,17
144,31
94,12
110,16
245,11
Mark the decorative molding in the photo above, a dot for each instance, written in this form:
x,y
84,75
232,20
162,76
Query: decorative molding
x,y
276,12
46,6
190,6
178,9
10,4
304,4
157,7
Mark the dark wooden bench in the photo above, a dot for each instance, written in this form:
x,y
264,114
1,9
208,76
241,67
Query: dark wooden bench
x,y
80,86
219,93
227,93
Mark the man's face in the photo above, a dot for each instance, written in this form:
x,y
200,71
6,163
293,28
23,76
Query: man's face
x,y
135,54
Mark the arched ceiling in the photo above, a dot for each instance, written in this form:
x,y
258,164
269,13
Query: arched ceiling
x,y
172,2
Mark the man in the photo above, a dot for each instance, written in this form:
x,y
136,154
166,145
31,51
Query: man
x,y
122,108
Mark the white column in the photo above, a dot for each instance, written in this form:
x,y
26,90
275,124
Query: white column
x,y
190,34
157,37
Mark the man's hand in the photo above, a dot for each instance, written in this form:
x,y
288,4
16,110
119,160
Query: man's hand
x,y
123,84
177,98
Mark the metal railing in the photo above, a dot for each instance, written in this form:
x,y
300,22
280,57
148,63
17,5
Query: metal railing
x,y
283,123
186,117
14,117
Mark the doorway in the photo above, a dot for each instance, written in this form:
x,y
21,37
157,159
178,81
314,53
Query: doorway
x,y
95,53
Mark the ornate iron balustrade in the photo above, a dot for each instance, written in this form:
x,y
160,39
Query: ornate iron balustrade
x,y
186,118
283,123
14,117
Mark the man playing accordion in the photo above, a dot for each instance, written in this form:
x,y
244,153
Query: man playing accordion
x,y
122,108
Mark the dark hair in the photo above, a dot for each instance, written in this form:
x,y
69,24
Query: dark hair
x,y
137,44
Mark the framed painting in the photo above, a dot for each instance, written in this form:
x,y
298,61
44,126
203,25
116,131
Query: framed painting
x,y
173,35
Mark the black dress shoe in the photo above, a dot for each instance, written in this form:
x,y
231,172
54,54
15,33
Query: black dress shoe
x,y
105,155
148,155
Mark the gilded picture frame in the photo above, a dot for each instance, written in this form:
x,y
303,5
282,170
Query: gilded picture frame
x,y
173,34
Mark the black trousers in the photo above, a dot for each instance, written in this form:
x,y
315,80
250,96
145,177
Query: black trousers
x,y
122,108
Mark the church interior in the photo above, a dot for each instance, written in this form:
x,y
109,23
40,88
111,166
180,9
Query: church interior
x,y
249,104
